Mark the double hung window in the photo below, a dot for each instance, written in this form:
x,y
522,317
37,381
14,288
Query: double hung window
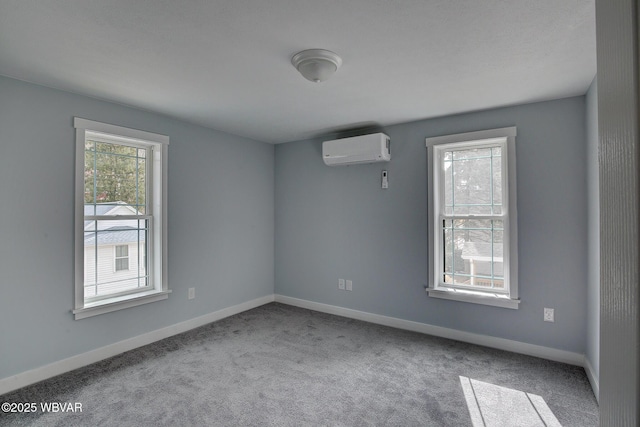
x,y
472,217
120,218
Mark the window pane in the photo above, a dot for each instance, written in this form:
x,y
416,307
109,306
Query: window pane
x,y
141,174
142,251
109,148
472,181
114,184
497,180
90,255
471,154
115,179
448,250
498,264
106,274
471,186
89,174
115,174
448,182
474,253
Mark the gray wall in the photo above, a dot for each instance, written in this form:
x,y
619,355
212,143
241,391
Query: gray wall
x,y
592,352
330,223
618,97
338,223
221,214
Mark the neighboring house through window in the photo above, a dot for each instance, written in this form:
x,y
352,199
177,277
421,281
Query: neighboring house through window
x,y
120,218
472,217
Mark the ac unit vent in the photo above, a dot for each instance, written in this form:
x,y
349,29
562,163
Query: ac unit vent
x,y
371,148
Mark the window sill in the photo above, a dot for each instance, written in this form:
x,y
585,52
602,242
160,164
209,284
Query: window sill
x,y
119,303
495,300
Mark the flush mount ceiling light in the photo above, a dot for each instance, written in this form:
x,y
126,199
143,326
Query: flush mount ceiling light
x,y
316,65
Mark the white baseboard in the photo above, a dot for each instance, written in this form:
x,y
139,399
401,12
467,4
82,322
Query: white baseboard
x,y
484,340
593,378
56,368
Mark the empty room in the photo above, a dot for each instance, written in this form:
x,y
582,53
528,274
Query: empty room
x,y
411,213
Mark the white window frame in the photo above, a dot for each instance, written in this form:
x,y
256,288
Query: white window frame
x,y
157,257
505,137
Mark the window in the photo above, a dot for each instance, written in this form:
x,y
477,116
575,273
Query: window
x,y
472,217
122,258
120,209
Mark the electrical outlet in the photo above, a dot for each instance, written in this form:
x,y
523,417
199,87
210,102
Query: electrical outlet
x,y
192,293
349,285
341,284
549,315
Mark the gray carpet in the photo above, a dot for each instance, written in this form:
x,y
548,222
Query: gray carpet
x,y
278,365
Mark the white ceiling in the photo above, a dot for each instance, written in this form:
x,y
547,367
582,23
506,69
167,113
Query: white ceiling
x,y
226,64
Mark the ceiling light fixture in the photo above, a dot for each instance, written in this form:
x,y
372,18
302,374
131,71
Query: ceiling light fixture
x,y
316,65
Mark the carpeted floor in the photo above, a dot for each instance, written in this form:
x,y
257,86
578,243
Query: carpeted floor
x,y
278,365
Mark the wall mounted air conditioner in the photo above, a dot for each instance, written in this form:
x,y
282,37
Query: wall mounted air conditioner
x,y
358,149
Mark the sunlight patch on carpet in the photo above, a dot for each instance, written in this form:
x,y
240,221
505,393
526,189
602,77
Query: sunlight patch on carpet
x,y
494,406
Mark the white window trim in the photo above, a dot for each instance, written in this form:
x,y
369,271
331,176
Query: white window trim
x,y
160,289
511,270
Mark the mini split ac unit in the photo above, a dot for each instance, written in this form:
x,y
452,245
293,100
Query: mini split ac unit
x,y
358,149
